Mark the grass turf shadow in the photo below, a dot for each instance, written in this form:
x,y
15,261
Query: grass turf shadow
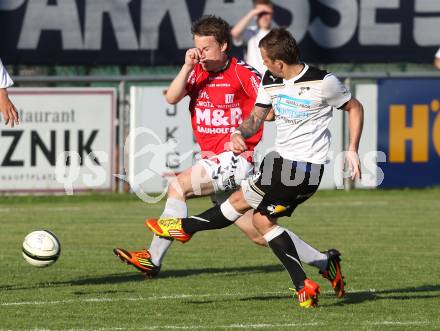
x,y
136,277
407,293
350,297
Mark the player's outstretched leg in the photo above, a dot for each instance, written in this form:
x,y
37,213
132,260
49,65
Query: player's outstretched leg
x,y
333,272
182,229
141,260
173,208
328,262
168,228
283,247
308,295
149,261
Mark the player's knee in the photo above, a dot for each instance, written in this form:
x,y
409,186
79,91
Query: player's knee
x,y
177,190
263,223
259,240
238,201
257,225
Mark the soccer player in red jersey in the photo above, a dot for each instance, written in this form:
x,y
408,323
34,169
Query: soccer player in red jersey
x,y
222,91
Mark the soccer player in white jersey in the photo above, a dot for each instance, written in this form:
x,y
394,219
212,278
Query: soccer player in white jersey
x,y
7,108
217,85
303,99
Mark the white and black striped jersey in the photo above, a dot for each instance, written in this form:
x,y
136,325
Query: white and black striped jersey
x,y
303,108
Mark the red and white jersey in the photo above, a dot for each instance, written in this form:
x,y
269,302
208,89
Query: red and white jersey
x,y
220,101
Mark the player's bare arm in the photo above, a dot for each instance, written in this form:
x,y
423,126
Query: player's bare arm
x,y
248,128
355,122
177,90
7,108
251,125
270,116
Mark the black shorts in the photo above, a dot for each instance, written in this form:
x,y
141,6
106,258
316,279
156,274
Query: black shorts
x,y
281,185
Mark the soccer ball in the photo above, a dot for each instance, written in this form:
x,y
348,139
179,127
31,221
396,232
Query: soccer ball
x,y
41,248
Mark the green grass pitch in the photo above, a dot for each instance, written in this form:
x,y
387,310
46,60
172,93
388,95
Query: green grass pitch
x,y
390,241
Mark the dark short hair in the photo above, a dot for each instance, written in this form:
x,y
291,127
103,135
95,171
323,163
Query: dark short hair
x,y
214,26
279,44
262,2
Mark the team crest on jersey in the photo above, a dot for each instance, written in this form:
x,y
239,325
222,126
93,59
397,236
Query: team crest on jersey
x,y
303,89
229,98
256,176
276,209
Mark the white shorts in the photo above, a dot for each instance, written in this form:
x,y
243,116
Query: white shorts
x,y
227,171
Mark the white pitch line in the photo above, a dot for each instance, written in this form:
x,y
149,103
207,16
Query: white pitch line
x,y
94,300
264,326
402,323
278,325
164,297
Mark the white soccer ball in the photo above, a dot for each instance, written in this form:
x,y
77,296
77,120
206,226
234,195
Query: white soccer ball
x,y
41,248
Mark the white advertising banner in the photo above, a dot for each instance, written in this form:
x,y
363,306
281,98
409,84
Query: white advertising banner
x,y
370,157
65,141
161,142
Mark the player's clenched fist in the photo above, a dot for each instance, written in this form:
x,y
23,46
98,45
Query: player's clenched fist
x,y
192,57
238,144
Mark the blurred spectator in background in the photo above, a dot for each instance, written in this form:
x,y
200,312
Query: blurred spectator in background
x,y
7,108
250,35
437,59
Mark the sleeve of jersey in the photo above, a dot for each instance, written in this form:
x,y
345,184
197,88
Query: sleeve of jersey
x,y
334,92
263,98
250,80
191,82
5,79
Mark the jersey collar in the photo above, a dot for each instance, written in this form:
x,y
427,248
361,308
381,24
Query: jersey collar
x,y
226,66
303,71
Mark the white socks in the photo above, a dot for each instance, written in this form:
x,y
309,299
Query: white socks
x,y
307,254
229,211
275,232
159,246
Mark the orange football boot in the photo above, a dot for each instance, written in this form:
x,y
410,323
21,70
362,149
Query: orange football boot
x,y
168,228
